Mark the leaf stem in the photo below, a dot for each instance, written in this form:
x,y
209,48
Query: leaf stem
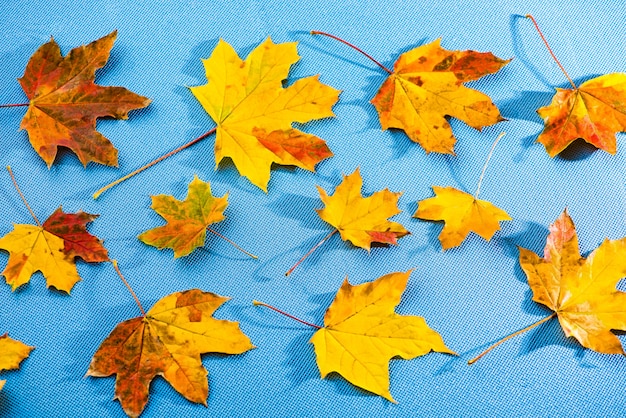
x,y
550,51
232,243
333,232
15,105
482,175
317,32
150,164
547,318
257,303
22,195
130,289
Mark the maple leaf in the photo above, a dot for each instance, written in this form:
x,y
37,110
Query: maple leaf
x,y
65,101
426,86
167,341
51,249
12,353
362,333
254,113
362,220
462,214
581,291
187,220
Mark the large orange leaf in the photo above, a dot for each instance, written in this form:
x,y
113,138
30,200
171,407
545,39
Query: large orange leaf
x,y
581,291
362,220
167,342
362,332
51,249
12,353
65,101
427,85
254,112
187,220
594,111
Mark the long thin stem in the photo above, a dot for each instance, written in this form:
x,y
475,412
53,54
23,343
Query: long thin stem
x,y
333,232
257,303
550,51
232,243
15,105
521,331
130,289
317,32
139,170
22,195
482,175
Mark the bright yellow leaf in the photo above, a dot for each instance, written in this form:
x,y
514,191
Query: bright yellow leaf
x,y
462,214
31,248
362,333
12,353
362,220
581,291
167,342
254,113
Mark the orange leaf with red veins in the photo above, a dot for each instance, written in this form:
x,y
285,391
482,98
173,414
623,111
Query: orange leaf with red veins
x,y
51,249
167,342
427,85
362,220
65,101
595,112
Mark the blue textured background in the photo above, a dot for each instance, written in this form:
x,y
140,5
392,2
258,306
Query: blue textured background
x,y
472,295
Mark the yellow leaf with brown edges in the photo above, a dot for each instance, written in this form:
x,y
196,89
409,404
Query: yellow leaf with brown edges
x,y
362,333
427,85
187,220
12,353
254,113
167,342
581,291
595,112
462,214
65,102
362,220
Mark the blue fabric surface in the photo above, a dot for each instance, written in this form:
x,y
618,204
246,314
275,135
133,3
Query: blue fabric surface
x,y
472,295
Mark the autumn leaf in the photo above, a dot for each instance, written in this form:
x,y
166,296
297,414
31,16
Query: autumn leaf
x,y
360,220
65,101
362,333
168,342
12,353
594,111
426,86
187,220
580,291
254,113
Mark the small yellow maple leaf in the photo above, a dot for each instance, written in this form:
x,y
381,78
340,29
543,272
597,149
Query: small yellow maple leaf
x,y
362,333
168,342
594,111
462,214
187,220
12,353
581,291
427,85
362,220
254,113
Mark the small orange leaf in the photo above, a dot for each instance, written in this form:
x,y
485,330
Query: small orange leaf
x,y
168,342
65,102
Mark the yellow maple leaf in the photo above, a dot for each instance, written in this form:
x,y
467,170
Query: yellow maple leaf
x,y
187,220
254,113
12,353
581,291
167,341
462,214
427,85
362,333
362,220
